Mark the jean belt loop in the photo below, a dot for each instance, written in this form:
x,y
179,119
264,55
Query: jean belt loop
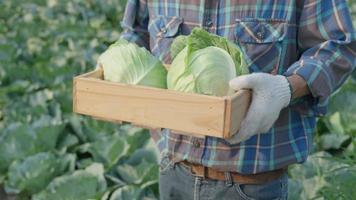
x,y
228,178
205,172
173,161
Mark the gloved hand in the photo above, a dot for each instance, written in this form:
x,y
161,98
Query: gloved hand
x,y
270,93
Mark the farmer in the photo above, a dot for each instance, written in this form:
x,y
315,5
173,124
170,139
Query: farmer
x,y
298,53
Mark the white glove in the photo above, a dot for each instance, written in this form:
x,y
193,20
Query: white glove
x,y
270,93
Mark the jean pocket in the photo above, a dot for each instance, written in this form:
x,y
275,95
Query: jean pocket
x,y
165,164
276,189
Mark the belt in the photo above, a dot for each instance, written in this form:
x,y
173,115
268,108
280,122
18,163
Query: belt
x,y
207,172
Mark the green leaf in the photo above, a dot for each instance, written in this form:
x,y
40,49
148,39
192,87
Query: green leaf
x,y
136,137
89,130
333,141
127,192
335,125
316,173
83,163
143,154
76,124
206,64
295,190
80,185
138,174
69,140
178,44
340,184
126,62
108,150
199,39
343,102
20,141
34,173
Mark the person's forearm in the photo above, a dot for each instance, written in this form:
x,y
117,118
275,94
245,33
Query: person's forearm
x,y
299,86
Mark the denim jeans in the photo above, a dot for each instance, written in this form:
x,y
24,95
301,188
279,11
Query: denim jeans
x,y
177,182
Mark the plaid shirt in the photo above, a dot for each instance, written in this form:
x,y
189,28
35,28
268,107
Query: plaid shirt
x,y
312,38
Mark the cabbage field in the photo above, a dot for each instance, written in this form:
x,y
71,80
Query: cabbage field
x,y
49,153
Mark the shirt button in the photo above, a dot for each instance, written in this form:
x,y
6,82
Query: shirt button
x,y
260,35
196,143
164,30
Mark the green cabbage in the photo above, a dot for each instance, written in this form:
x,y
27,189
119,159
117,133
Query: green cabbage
x,y
35,172
178,45
126,62
79,185
205,65
199,39
207,71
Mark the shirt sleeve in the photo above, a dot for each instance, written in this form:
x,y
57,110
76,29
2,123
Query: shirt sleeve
x,y
326,41
135,23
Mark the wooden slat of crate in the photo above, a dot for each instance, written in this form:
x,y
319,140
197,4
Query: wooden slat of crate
x,y
237,108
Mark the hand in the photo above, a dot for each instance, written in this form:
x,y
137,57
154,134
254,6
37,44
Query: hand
x,y
270,93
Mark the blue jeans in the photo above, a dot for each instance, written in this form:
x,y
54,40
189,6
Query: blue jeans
x,y
177,182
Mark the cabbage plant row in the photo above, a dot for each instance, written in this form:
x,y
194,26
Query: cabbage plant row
x,y
46,152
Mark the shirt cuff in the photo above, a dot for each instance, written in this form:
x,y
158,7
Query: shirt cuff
x,y
314,73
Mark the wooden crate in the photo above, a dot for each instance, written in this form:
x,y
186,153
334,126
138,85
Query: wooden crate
x,y
190,114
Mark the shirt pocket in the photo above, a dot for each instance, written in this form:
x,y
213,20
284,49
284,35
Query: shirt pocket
x,y
261,41
162,31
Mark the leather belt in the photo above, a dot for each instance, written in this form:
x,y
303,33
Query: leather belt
x,y
207,172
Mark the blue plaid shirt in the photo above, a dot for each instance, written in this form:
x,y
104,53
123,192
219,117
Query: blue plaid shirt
x,y
312,38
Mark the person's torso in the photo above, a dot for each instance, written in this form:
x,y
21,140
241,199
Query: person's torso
x,y
265,30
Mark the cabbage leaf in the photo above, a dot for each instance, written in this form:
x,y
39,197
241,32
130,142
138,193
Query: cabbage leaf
x,y
126,62
35,172
207,71
80,185
199,39
205,65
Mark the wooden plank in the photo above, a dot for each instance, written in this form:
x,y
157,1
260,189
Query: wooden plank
x,y
151,107
112,88
240,103
74,95
96,74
